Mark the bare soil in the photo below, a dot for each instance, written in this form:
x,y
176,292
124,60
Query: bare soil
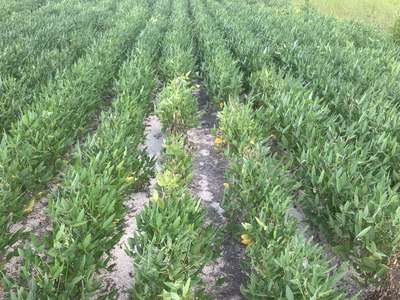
x,y
121,278
224,277
37,223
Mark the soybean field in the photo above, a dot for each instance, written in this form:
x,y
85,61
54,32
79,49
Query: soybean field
x,y
197,149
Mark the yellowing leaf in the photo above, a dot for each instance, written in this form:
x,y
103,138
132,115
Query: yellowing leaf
x,y
247,226
129,179
218,140
30,206
262,224
156,196
246,240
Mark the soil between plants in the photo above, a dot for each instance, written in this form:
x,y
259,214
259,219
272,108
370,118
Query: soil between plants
x,y
121,278
208,185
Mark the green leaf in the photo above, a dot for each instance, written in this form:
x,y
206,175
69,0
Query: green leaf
x,y
186,287
76,280
321,177
363,232
289,293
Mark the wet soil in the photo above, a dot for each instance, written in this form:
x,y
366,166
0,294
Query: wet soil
x,y
224,277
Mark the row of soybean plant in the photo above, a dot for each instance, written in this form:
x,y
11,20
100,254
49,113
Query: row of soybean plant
x,y
172,243
30,61
217,66
267,88
259,194
360,85
32,153
21,13
20,24
351,196
31,32
11,7
357,34
87,212
279,261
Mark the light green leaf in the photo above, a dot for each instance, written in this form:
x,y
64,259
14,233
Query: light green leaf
x,y
289,293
